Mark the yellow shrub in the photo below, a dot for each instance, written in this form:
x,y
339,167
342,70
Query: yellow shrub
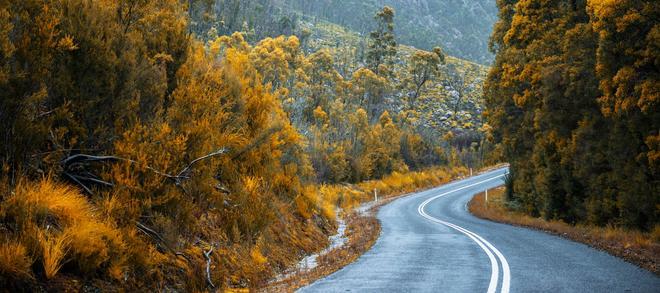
x,y
398,183
93,243
14,261
303,207
329,200
257,257
307,202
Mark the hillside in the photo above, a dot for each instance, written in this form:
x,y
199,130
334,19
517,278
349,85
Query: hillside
x,y
462,28
437,105
451,102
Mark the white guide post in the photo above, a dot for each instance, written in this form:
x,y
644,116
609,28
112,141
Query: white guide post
x,y
375,194
486,197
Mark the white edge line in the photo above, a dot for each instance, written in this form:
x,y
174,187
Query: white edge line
x,y
506,278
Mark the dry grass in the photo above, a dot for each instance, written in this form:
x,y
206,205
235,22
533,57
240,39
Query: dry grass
x,y
62,234
14,261
94,244
53,250
349,196
46,201
362,232
400,183
58,225
637,247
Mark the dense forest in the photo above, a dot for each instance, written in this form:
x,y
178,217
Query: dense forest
x,y
574,101
144,144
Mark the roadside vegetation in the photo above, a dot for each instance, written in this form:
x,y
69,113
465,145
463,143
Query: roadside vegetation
x,y
640,248
574,107
138,156
360,214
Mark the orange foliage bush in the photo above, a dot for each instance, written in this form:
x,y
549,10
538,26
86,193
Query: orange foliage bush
x,y
349,196
15,262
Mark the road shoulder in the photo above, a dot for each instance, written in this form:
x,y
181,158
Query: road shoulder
x,y
638,248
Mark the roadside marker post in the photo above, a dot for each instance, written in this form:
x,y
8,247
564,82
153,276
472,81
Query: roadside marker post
x,y
375,194
486,197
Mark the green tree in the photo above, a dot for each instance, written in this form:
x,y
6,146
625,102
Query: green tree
x,y
382,46
423,67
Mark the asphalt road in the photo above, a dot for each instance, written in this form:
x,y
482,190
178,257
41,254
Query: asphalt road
x,y
431,243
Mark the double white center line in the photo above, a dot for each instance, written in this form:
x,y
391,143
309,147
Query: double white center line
x,y
485,245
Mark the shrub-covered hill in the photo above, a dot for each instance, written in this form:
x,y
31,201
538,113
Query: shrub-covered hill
x,y
452,102
463,27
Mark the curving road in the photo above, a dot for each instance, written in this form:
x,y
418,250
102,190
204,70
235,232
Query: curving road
x,y
431,243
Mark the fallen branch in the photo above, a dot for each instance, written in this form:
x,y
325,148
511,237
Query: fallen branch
x,y
83,158
89,191
207,255
181,254
70,162
92,179
153,234
183,173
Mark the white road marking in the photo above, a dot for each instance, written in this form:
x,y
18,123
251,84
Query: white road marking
x,y
485,245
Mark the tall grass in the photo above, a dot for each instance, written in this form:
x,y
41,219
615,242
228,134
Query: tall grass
x,y
14,261
53,251
57,225
46,202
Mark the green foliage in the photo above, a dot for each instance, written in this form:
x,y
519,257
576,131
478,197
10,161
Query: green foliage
x,y
382,45
423,67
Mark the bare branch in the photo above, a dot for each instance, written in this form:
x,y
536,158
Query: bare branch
x,y
207,255
183,172
153,234
89,191
70,161
181,254
97,181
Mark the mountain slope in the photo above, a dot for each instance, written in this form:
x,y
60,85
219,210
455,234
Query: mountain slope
x,y
461,27
460,81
